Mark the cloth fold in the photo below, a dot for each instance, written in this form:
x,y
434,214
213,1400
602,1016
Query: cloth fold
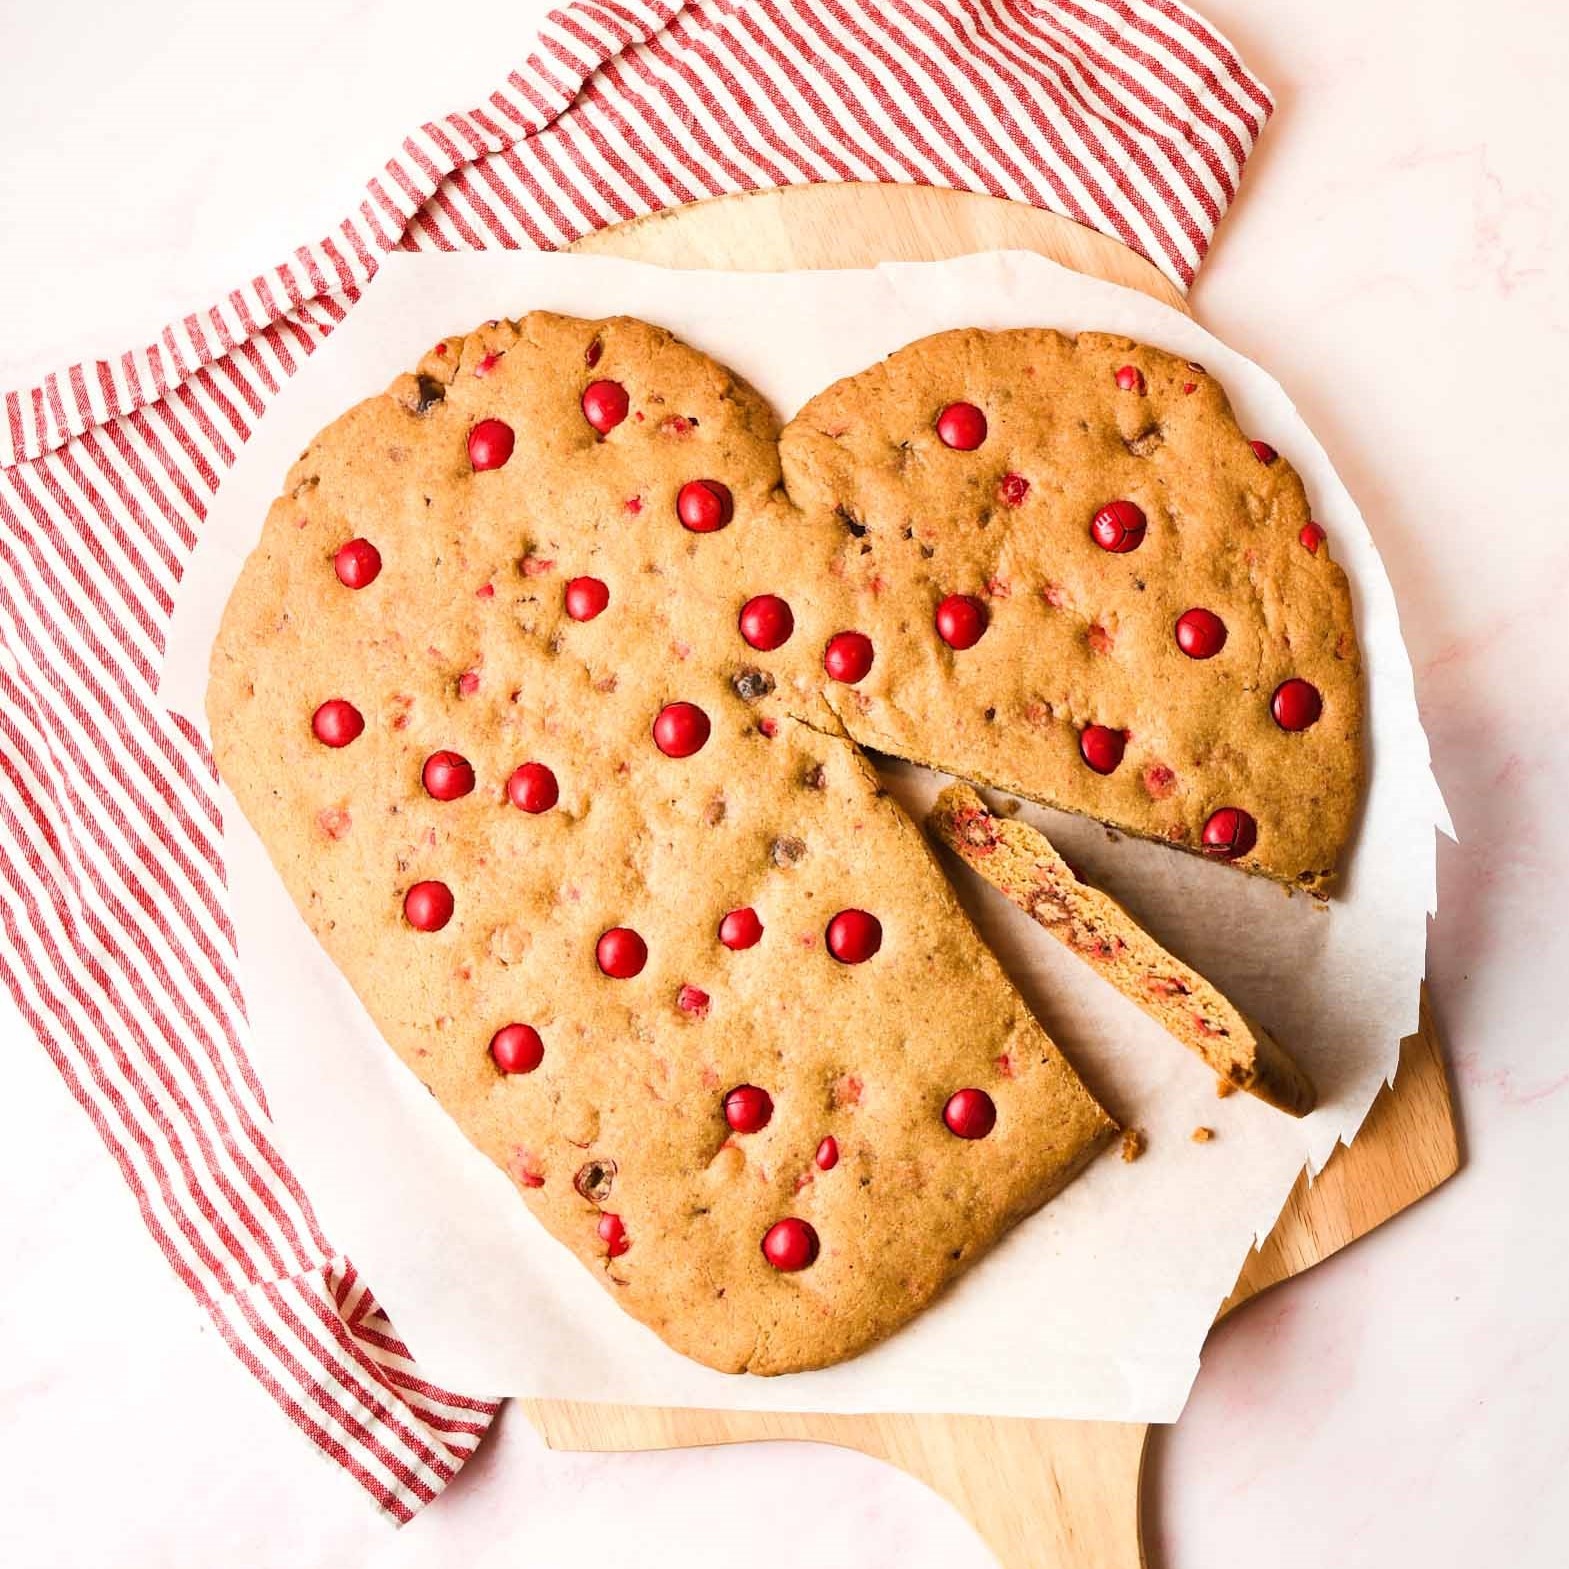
x,y
1131,116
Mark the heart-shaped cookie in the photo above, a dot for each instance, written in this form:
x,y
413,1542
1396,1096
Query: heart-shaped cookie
x,y
544,688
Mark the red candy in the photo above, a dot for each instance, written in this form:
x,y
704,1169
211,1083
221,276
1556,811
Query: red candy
x,y
961,426
827,1156
490,444
427,907
961,620
741,929
533,788
1296,704
517,1048
1265,453
854,936
604,405
681,729
766,622
1229,833
613,1234
337,722
586,597
970,1114
1201,634
790,1245
848,656
621,953
1130,378
1102,747
747,1108
1311,537
704,506
357,563
447,776
1118,527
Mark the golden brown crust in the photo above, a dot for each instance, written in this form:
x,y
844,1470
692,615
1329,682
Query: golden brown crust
x,y
1022,863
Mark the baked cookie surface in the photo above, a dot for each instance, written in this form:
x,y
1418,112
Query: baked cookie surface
x,y
545,688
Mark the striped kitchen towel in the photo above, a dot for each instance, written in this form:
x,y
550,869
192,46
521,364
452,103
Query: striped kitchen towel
x,y
1132,116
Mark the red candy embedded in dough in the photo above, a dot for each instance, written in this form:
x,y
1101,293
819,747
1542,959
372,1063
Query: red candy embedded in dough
x,y
517,1048
961,426
747,1108
357,563
1311,537
790,1244
961,621
1229,833
605,405
680,729
827,1156
1296,704
741,929
1102,747
586,597
766,622
1118,527
854,936
848,656
533,788
337,722
490,444
970,1114
1265,453
1012,489
428,906
613,1234
704,506
1201,634
621,953
1130,378
447,776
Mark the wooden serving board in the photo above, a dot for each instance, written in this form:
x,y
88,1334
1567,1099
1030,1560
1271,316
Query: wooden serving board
x,y
1041,1493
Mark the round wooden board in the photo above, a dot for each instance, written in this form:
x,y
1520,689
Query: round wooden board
x,y
1041,1493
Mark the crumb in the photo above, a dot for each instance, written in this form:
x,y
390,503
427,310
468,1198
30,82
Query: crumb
x,y
1223,1088
1203,1135
1133,1142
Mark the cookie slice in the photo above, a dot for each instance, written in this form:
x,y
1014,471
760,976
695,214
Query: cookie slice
x,y
1020,861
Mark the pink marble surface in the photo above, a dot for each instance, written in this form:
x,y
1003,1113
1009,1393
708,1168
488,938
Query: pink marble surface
x,y
1398,259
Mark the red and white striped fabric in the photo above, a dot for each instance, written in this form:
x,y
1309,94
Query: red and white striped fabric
x,y
1132,116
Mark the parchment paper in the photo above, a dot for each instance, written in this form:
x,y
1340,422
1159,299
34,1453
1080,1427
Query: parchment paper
x,y
1098,1306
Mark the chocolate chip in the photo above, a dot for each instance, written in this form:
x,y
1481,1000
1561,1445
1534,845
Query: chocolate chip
x,y
714,812
750,683
850,521
815,777
990,716
430,391
594,1180
786,851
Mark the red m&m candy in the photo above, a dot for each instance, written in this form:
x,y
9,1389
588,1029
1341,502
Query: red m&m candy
x,y
741,929
586,597
1229,833
337,722
621,953
1130,378
604,405
790,1245
428,906
517,1048
490,444
848,656
747,1108
961,621
1201,634
827,1156
447,776
961,426
1102,747
533,788
766,622
704,506
1311,537
854,936
1118,527
1296,704
1265,453
357,563
970,1114
680,729
613,1234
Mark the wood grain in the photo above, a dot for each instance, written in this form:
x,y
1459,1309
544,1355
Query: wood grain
x,y
1041,1493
